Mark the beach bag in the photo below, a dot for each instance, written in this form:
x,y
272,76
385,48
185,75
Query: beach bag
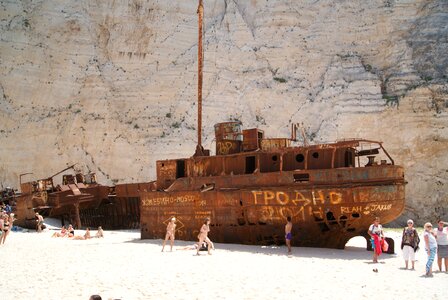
x,y
385,245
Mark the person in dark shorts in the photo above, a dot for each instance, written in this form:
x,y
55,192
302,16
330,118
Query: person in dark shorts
x,y
288,234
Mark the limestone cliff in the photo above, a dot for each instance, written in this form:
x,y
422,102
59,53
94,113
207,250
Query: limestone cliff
x,y
111,84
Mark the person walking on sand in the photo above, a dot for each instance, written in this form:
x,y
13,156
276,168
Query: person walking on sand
x,y
40,221
442,244
430,246
170,230
288,234
409,243
377,234
203,236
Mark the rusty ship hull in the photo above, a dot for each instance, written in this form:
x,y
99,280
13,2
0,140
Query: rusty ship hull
x,y
331,191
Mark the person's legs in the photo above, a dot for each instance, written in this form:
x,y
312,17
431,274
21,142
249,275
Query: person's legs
x,y
406,255
439,262
172,242
446,265
431,256
5,235
201,240
288,243
164,242
412,257
210,245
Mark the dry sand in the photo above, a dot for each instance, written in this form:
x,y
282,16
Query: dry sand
x,y
121,266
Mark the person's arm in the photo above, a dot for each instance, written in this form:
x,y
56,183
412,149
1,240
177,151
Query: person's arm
x,y
370,231
426,237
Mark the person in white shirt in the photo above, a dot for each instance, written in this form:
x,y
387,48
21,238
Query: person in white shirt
x,y
376,232
430,246
441,234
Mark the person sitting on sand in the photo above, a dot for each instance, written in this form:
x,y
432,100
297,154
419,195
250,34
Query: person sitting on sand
x,y
39,221
203,236
99,232
71,231
86,235
170,230
63,233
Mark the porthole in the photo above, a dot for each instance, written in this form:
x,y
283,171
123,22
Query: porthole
x,y
300,158
316,155
274,157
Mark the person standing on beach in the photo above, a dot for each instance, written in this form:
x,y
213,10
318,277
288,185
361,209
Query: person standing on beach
x,y
409,243
288,234
170,230
6,228
442,244
40,221
376,233
203,236
430,246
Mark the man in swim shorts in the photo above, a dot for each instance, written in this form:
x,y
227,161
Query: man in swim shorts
x,y
288,234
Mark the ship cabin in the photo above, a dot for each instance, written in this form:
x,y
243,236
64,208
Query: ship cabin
x,y
248,152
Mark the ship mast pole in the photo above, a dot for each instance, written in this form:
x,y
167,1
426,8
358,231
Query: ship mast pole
x,y
200,12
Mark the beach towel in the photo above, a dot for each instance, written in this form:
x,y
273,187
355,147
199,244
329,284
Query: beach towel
x,y
377,244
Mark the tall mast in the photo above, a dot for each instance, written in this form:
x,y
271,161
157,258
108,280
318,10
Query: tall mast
x,y
200,12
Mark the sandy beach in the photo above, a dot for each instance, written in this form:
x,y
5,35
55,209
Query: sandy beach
x,y
122,266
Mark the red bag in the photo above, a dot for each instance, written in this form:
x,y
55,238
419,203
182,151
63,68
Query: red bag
x,y
384,245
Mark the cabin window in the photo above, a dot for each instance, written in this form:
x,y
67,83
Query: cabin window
x,y
274,157
250,164
180,168
301,177
300,158
316,155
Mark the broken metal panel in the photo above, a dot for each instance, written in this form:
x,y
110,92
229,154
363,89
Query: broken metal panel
x,y
252,139
166,173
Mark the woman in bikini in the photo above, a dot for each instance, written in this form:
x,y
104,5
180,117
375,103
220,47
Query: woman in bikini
x,y
203,236
170,230
71,231
6,227
63,233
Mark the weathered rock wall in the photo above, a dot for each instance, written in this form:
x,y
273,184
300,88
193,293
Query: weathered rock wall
x,y
111,85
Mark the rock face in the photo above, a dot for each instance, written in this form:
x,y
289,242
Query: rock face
x,y
111,85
